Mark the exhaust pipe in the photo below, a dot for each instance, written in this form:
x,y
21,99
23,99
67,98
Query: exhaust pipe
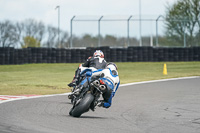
x,y
96,82
102,87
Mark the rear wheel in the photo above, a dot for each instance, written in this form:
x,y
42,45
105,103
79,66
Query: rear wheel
x,y
83,105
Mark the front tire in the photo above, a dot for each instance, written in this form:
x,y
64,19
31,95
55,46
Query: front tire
x,y
83,106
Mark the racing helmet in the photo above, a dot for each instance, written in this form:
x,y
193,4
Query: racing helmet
x,y
98,53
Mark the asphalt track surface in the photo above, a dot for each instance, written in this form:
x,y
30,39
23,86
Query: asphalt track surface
x,y
159,107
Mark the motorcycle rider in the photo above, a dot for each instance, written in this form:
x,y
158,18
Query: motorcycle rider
x,y
97,61
110,77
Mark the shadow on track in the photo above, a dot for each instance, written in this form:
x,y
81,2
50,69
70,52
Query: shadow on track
x,y
88,117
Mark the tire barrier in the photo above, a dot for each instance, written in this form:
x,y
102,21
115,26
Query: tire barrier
x,y
131,54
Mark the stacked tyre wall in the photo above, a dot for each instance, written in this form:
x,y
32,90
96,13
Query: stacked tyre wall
x,y
130,54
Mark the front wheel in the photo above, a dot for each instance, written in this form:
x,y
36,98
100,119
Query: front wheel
x,y
83,105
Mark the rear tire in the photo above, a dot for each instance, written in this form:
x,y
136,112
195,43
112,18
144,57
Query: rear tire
x,y
83,106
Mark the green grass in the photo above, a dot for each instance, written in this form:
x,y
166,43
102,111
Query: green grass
x,y
135,72
53,78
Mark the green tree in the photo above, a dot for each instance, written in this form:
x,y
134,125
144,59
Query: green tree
x,y
30,41
183,20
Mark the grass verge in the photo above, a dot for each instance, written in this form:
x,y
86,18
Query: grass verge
x,y
43,79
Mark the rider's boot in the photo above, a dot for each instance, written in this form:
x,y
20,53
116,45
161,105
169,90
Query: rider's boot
x,y
76,78
74,82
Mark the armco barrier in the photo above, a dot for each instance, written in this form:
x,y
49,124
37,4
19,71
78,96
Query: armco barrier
x,y
130,54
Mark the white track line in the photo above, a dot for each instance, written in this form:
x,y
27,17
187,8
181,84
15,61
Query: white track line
x,y
4,101
152,81
160,80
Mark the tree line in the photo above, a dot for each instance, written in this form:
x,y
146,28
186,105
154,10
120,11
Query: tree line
x,y
182,26
30,33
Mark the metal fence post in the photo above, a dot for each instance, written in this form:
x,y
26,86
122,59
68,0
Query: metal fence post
x,y
140,23
71,31
99,28
58,7
157,30
184,34
128,42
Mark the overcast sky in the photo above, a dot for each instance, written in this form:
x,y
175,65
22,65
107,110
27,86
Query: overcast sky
x,y
44,10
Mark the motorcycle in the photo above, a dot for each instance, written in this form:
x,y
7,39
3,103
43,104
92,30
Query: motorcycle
x,y
88,97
